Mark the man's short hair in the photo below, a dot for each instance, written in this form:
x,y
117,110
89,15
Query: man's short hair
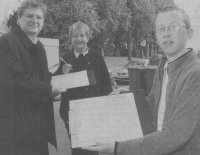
x,y
186,18
31,4
79,25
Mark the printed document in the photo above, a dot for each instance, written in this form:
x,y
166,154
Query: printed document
x,y
73,80
107,118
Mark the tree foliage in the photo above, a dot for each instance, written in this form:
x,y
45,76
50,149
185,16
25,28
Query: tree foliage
x,y
63,13
118,21
115,17
12,21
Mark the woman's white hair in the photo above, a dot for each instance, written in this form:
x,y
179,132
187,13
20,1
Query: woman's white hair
x,y
79,25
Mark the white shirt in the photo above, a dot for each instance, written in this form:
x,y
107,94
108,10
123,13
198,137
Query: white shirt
x,y
77,54
162,102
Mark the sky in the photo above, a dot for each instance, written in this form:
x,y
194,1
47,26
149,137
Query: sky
x,y
192,7
7,7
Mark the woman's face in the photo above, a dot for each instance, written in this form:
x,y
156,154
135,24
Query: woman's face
x,y
80,40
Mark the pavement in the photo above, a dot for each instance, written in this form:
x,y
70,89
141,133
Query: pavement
x,y
63,141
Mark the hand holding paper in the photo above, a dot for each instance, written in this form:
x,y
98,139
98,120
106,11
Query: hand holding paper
x,y
56,92
118,91
57,98
107,118
103,147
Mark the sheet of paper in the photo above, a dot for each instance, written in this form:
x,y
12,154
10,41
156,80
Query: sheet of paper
x,y
52,52
107,118
72,80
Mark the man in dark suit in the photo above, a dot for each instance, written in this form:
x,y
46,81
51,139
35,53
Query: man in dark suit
x,y
26,95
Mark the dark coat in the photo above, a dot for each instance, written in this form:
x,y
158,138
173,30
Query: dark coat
x,y
26,105
93,62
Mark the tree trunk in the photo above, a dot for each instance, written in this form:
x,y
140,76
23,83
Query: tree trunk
x,y
101,47
117,48
102,51
134,48
129,44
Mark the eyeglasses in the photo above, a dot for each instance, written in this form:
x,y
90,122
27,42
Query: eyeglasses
x,y
171,28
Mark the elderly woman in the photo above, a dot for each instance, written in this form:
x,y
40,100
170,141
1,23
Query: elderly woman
x,y
83,58
26,95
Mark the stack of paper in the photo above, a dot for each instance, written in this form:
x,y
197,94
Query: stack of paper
x,y
107,118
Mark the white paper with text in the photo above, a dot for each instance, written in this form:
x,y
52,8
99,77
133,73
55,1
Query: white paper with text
x,y
107,118
71,80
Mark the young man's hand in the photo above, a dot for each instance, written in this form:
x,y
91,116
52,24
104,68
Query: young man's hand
x,y
102,147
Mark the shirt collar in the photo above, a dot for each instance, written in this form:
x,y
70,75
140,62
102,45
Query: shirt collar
x,y
77,54
185,58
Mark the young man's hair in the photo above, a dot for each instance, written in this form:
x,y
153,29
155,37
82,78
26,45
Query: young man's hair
x,y
31,4
79,25
170,8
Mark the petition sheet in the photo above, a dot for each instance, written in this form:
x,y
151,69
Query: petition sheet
x,y
107,118
71,80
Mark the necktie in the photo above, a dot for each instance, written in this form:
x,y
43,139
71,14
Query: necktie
x,y
81,61
81,58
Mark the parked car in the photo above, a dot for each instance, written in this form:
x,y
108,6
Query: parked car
x,y
120,74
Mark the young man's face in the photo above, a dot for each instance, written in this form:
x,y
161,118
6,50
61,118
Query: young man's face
x,y
79,40
31,22
171,33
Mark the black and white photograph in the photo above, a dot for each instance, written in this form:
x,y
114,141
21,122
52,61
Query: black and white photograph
x,y
100,77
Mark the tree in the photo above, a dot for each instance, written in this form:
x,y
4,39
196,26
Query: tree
x,y
63,13
11,22
3,27
119,21
60,15
142,24
115,18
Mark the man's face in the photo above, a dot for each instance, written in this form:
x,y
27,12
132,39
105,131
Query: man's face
x,y
31,21
171,33
79,40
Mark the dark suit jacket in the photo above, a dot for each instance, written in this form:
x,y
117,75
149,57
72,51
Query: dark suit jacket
x,y
93,62
26,107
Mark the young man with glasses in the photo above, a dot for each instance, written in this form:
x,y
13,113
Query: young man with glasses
x,y
175,96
